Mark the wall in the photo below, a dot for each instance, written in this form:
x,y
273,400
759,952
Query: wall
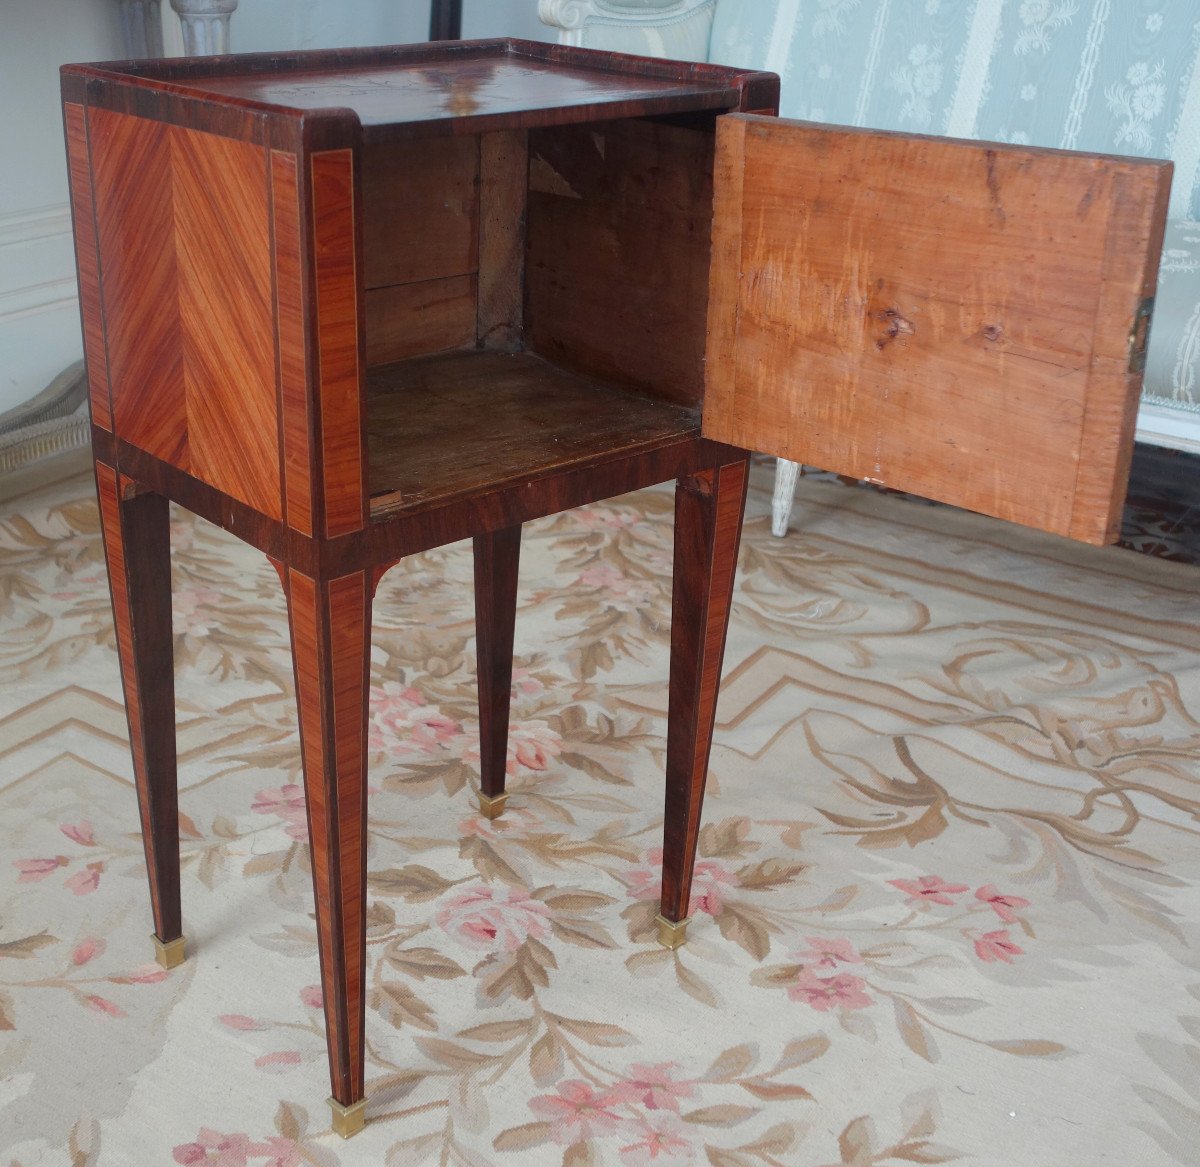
x,y
39,315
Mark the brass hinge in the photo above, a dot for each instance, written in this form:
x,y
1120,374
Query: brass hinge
x,y
1139,335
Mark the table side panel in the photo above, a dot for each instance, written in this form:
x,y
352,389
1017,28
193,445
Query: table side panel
x,y
185,254
88,262
937,316
223,241
132,181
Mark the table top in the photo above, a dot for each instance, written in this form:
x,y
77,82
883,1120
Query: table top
x,y
463,82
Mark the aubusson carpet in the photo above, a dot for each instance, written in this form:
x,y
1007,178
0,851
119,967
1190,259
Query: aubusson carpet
x,y
947,906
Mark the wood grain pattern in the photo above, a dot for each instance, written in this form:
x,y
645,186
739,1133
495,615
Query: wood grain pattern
x,y
1135,227
223,244
618,255
484,91
497,557
137,550
184,241
504,178
429,90
506,416
412,320
420,210
131,171
291,342
87,258
952,345
333,211
331,624
708,529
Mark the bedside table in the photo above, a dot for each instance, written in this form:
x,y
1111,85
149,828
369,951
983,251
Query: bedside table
x,y
355,304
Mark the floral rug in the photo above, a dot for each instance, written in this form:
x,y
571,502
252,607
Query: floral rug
x,y
947,906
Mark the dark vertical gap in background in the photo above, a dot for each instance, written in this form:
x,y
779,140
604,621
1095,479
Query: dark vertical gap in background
x,y
445,20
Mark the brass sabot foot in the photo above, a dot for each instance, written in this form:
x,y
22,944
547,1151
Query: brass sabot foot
x,y
671,933
348,1120
169,953
492,807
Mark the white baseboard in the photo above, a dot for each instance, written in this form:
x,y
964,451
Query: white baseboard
x,y
1176,429
39,307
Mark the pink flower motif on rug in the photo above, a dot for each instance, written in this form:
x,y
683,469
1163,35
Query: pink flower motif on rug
x,y
828,953
403,722
1005,906
577,1112
288,804
87,950
236,1150
652,1086
711,881
532,744
618,590
998,945
34,869
85,882
661,1139
523,681
279,1062
494,919
104,1006
240,1022
826,993
603,518
930,889
313,996
81,833
195,610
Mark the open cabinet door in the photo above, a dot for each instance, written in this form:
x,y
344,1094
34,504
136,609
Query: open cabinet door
x,y
961,320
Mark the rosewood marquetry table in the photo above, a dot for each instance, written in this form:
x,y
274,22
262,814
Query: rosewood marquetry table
x,y
352,305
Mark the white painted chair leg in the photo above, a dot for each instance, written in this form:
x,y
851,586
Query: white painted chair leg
x,y
785,493
205,25
141,25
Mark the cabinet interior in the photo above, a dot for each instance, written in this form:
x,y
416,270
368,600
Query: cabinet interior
x,y
539,294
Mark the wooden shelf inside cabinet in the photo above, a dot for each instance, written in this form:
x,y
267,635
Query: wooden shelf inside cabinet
x,y
456,424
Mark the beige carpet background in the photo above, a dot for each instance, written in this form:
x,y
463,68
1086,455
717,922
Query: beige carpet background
x,y
947,904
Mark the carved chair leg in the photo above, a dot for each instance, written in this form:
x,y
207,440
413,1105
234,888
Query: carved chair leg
x,y
708,527
496,558
331,631
137,545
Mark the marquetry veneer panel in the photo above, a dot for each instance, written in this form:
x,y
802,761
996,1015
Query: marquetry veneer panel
x,y
185,260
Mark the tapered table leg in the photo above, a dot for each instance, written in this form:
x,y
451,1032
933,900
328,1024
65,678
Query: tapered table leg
x,y
137,545
497,555
708,527
331,630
